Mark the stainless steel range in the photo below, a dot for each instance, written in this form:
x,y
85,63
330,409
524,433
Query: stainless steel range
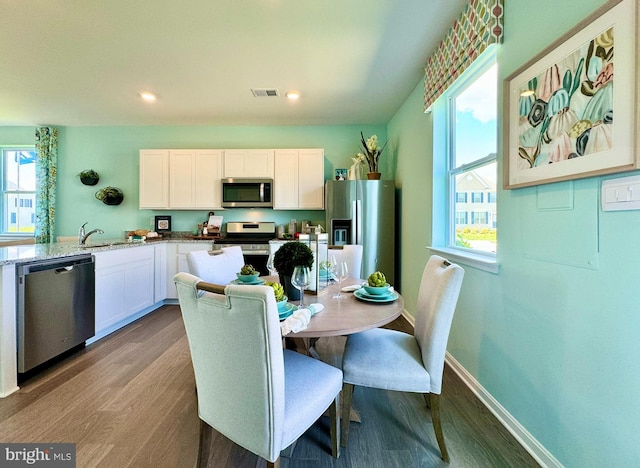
x,y
253,238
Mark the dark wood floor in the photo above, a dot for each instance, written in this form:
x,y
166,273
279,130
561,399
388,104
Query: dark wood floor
x,y
129,401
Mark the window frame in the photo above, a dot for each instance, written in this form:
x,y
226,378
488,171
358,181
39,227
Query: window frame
x,y
4,192
444,235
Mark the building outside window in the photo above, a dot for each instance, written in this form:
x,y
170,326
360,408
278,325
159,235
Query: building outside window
x,y
471,151
18,190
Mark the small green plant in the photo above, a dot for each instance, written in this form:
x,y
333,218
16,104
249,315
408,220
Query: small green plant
x,y
377,279
291,255
278,290
248,270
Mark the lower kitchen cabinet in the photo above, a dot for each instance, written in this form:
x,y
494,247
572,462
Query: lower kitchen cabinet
x,y
124,285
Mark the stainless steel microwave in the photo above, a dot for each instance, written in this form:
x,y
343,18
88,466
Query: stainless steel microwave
x,y
247,193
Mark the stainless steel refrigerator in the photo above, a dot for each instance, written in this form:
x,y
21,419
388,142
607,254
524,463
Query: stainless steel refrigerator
x,y
363,212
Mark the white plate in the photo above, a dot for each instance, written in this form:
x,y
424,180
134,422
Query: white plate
x,y
247,283
364,296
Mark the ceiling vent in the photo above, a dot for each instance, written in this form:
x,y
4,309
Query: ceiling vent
x,y
265,92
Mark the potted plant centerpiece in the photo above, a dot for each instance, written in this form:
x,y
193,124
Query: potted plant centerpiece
x,y
286,258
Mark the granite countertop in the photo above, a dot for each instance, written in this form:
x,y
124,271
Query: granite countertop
x,y
33,252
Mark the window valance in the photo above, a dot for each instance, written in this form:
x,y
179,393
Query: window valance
x,y
479,25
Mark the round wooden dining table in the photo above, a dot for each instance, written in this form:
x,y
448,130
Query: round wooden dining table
x,y
347,315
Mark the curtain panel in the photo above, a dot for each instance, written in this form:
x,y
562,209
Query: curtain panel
x,y
46,171
479,26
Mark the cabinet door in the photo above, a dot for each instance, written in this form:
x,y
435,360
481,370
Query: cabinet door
x,y
194,179
138,286
181,183
110,304
286,180
124,284
311,179
207,175
154,179
248,163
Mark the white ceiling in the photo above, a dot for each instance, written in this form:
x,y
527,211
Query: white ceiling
x,y
83,62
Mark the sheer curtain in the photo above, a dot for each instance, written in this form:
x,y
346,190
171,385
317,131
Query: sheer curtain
x,y
46,171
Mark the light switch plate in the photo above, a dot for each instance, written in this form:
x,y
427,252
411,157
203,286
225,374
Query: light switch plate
x,y
622,193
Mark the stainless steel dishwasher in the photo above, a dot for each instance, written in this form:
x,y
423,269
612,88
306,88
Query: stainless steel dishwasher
x,y
56,307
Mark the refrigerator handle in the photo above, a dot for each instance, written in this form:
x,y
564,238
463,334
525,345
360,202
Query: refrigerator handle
x,y
358,217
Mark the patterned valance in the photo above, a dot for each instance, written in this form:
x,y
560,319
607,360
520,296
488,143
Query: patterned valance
x,y
479,25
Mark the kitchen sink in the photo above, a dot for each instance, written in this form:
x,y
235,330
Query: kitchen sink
x,y
103,244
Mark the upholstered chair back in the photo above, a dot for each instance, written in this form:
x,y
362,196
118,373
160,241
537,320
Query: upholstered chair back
x,y
216,267
437,298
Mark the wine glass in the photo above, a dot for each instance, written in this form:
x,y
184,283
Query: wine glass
x,y
300,279
342,272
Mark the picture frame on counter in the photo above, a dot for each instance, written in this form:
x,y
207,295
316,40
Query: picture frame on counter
x,y
162,224
341,174
563,117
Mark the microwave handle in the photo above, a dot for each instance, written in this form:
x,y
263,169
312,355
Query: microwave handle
x,y
262,192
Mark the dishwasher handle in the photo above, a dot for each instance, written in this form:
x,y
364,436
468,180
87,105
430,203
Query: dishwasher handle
x,y
65,269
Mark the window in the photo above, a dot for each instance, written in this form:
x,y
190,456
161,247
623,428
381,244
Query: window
x,y
18,190
476,197
471,126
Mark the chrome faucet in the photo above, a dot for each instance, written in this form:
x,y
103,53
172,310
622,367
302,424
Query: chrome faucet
x,y
82,237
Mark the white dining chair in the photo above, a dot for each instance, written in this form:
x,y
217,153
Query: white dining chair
x,y
249,389
352,255
219,267
393,360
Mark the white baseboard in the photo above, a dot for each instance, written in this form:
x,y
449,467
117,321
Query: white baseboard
x,y
517,430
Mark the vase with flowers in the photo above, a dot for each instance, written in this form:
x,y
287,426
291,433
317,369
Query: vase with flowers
x,y
371,154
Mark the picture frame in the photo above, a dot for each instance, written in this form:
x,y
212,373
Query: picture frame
x,y
162,223
558,114
341,174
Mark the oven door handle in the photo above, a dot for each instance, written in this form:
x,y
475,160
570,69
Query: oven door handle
x,y
255,252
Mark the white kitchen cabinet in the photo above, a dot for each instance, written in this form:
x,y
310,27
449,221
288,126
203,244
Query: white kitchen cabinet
x,y
299,179
248,163
124,284
190,179
177,261
154,179
194,179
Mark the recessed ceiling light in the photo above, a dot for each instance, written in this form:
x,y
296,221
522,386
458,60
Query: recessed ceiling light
x,y
147,96
292,95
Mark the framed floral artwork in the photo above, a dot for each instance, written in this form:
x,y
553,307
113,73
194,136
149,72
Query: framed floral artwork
x,y
567,115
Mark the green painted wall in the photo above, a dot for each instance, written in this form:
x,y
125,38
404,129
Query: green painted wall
x,y
113,153
552,338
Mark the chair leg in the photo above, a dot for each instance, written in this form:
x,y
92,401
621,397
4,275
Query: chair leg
x,y
204,446
347,393
275,464
334,417
434,404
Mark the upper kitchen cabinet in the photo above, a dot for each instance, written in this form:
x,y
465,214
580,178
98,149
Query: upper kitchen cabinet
x,y
194,179
299,179
248,163
181,179
154,179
